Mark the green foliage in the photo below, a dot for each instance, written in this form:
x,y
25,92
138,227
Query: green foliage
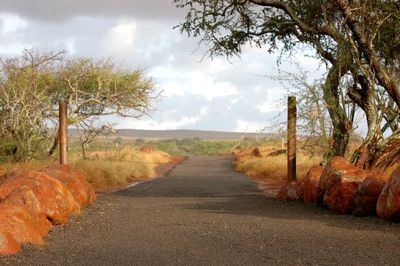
x,y
32,84
197,147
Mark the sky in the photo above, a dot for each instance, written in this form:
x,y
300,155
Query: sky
x,y
198,93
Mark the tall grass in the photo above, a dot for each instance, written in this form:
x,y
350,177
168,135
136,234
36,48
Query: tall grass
x,y
105,170
121,166
275,167
267,166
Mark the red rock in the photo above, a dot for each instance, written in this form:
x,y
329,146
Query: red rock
x,y
339,197
27,199
22,225
307,188
75,182
367,194
292,191
282,194
52,198
8,245
256,152
146,149
288,192
388,206
338,183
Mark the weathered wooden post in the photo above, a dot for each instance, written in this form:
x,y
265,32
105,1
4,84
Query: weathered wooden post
x,y
63,132
291,138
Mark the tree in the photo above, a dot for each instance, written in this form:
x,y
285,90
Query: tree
x,y
31,86
25,104
230,25
354,39
95,88
312,116
88,131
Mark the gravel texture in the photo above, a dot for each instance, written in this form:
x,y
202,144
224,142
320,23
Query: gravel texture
x,y
203,213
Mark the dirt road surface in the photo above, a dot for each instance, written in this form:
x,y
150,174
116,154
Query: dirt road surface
x,y
203,213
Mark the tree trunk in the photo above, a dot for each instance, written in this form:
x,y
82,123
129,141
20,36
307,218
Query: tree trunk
x,y
83,144
55,145
340,122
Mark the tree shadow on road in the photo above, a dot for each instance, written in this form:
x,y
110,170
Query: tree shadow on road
x,y
270,208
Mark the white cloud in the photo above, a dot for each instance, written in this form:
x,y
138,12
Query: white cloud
x,y
120,38
173,82
158,124
249,126
273,102
171,88
217,65
204,110
11,23
11,27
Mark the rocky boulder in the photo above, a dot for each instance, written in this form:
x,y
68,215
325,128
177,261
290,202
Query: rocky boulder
x,y
289,191
367,194
282,194
338,184
307,188
75,182
22,225
40,193
388,206
8,245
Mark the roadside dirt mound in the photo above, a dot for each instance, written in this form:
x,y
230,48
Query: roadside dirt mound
x,y
32,201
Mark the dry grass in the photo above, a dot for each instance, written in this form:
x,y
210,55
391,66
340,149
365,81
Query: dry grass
x,y
271,167
120,167
33,165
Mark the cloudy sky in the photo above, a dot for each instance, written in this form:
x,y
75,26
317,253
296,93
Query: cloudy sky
x,y
198,94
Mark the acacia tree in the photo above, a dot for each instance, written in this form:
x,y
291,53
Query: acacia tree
x,y
31,86
351,37
25,104
95,88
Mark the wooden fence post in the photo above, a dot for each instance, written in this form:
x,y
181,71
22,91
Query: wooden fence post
x,y
63,132
291,138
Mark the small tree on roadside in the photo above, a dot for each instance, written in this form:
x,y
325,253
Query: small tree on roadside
x,y
32,84
88,130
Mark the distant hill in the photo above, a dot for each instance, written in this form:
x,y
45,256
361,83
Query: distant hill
x,y
181,134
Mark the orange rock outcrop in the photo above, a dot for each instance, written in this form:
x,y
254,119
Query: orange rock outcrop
x,y
32,201
307,188
388,206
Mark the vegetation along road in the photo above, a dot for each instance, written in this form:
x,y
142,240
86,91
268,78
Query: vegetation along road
x,y
203,213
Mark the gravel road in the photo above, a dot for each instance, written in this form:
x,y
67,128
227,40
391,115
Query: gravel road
x,y
203,213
